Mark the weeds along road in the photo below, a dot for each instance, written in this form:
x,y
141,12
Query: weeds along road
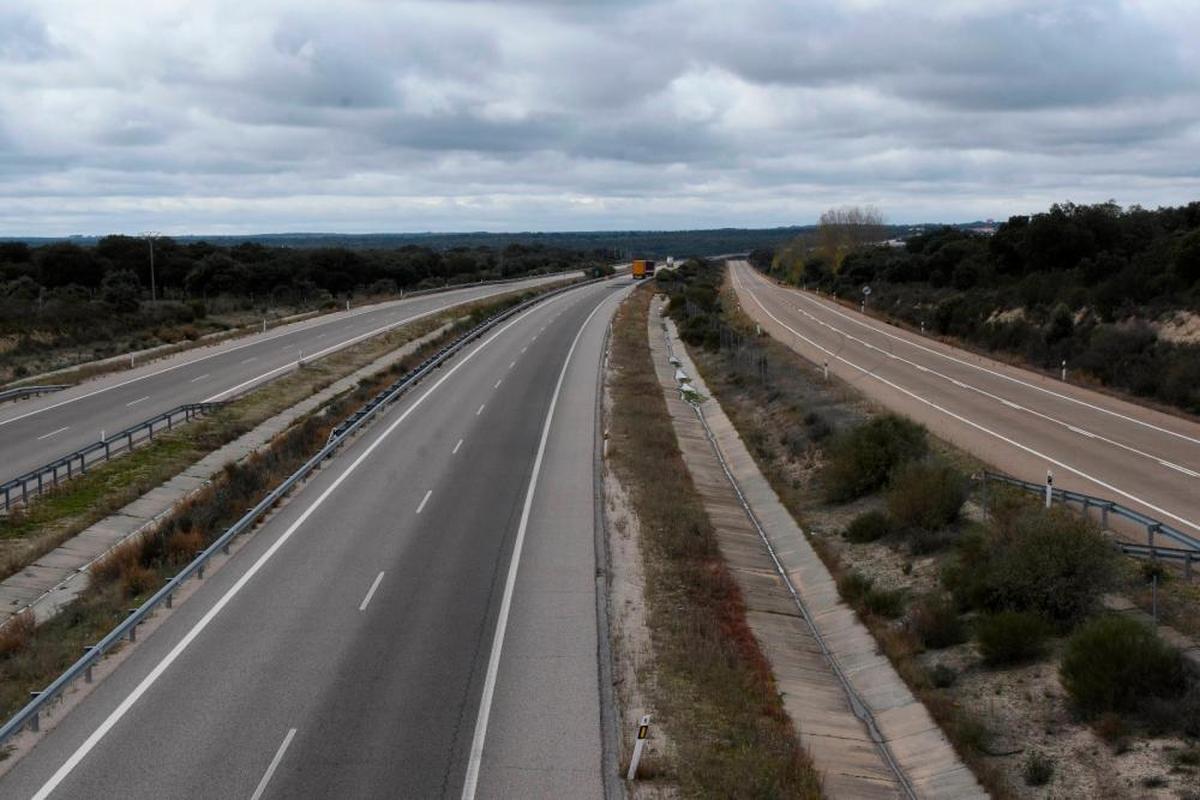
x,y
352,648
1020,422
36,431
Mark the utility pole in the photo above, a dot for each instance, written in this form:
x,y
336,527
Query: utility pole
x,y
149,237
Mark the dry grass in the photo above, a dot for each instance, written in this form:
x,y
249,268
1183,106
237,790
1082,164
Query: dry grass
x,y
713,688
31,657
29,533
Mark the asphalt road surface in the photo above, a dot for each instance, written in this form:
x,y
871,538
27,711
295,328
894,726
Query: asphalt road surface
x,y
36,431
419,621
1019,421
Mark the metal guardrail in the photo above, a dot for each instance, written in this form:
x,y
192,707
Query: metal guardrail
x,y
1189,553
21,392
20,489
30,715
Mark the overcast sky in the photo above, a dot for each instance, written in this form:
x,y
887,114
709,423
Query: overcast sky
x,y
240,116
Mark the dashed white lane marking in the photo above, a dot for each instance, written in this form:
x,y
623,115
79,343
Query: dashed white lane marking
x,y
998,374
1177,468
475,761
497,386
199,378
983,429
523,349
170,658
455,450
370,592
513,364
248,360
53,433
983,392
135,402
424,500
480,411
266,778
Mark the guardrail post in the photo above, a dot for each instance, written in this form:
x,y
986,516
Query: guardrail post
x,y
200,569
133,630
1187,567
1150,531
87,672
35,720
170,600
1104,515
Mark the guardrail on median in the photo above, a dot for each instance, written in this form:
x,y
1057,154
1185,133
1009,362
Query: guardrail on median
x,y
30,715
20,489
1188,554
21,392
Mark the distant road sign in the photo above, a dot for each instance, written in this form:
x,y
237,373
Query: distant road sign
x,y
866,290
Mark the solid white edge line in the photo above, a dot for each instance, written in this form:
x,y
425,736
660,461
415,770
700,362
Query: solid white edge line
x,y
424,500
371,592
235,348
996,373
992,396
266,778
977,426
152,677
489,684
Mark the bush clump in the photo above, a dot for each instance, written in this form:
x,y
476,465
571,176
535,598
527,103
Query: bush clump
x,y
860,591
936,622
868,527
1012,637
926,495
1051,562
862,459
1038,769
1116,664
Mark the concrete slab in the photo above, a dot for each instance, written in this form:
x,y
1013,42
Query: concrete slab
x,y
813,697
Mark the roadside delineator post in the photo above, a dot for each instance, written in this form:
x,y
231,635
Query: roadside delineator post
x,y
1064,369
1049,488
639,745
827,370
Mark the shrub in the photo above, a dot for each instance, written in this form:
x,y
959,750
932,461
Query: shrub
x,y
16,633
1116,664
868,527
137,579
1012,637
1052,562
861,460
887,603
922,542
853,587
942,676
1038,769
926,495
936,622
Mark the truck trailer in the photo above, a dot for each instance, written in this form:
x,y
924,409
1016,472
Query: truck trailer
x,y
643,268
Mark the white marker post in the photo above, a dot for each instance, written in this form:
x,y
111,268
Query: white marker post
x,y
1064,369
642,732
131,360
1049,488
264,330
827,370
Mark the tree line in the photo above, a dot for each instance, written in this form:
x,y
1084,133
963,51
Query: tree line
x,y
64,284
1092,285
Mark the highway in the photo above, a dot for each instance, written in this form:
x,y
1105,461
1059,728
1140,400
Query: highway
x,y
34,432
418,621
1018,421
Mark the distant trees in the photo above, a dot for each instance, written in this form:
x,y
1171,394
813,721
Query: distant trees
x,y
845,229
1084,283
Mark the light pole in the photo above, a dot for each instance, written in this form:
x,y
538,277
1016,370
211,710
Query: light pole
x,y
149,237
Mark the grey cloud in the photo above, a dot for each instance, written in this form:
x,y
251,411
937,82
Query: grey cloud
x,y
539,114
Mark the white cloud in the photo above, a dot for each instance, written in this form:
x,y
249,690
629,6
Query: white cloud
x,y
257,115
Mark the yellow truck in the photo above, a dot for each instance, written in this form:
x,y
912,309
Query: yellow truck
x,y
643,268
